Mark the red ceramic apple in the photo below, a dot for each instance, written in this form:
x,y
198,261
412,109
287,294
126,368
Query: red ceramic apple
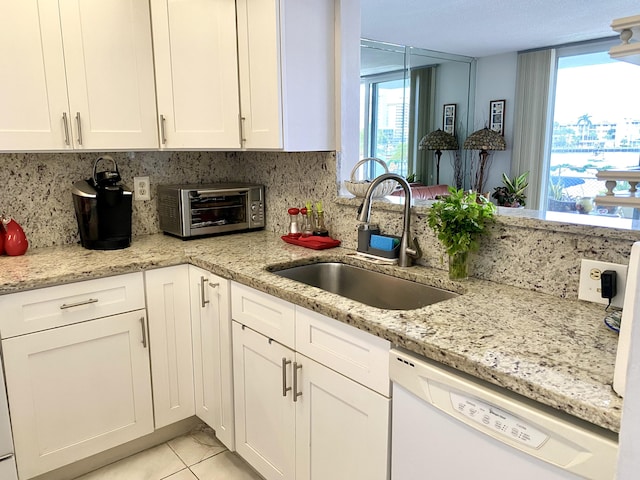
x,y
15,241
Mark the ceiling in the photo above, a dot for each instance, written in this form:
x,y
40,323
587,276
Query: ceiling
x,y
480,28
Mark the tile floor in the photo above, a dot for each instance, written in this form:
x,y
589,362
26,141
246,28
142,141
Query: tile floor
x,y
197,455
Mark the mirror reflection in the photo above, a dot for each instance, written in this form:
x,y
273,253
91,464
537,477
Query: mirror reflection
x,y
407,93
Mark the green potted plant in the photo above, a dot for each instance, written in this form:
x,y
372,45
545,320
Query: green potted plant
x,y
458,220
511,194
559,200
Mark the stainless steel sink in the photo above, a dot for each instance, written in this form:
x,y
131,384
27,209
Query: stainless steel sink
x,y
371,288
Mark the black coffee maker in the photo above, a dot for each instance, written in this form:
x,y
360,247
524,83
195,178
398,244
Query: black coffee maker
x,y
103,209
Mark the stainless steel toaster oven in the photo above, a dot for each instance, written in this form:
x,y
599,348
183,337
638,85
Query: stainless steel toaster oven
x,y
194,210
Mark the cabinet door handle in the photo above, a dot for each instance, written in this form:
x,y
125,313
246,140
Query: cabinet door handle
x,y
79,122
296,393
65,122
243,139
144,332
285,389
163,130
64,306
203,302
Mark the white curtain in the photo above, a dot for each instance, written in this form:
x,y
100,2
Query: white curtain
x,y
530,122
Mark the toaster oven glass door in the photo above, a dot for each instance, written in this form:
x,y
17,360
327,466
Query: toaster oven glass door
x,y
218,209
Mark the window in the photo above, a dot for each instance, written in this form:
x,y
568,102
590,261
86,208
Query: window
x,y
384,121
596,125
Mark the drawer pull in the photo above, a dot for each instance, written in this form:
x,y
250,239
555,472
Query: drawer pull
x,y
64,306
144,332
285,389
296,394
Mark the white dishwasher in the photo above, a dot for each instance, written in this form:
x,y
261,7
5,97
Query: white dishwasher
x,y
450,426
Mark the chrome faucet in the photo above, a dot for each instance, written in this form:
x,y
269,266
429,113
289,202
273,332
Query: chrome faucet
x,y
408,246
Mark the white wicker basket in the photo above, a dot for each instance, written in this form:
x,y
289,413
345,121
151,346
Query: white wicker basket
x,y
359,188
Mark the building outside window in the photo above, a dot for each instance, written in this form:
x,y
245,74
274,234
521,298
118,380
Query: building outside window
x,y
596,126
384,122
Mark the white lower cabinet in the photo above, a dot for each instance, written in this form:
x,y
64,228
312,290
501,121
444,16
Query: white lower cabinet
x,y
77,390
211,337
168,305
342,427
264,407
298,419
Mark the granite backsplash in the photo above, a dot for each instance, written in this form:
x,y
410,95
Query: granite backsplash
x,y
523,252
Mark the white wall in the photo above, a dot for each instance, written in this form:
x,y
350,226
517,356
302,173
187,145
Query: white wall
x,y
496,80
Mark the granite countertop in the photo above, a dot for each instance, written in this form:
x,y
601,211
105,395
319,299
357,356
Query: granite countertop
x,y
552,350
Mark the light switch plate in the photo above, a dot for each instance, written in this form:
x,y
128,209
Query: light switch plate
x,y
589,289
141,188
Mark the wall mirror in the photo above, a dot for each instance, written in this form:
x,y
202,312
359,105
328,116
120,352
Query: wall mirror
x,y
406,93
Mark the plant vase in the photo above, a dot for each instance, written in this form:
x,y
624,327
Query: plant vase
x,y
459,266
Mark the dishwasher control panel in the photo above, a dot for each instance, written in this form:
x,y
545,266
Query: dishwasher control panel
x,y
498,420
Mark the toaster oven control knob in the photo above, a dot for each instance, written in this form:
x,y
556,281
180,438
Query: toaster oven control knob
x,y
254,217
253,207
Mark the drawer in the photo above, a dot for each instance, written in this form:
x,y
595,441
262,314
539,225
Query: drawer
x,y
269,315
354,353
51,307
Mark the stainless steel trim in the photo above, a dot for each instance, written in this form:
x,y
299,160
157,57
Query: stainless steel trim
x,y
296,394
144,332
203,302
163,130
79,122
217,192
285,389
65,122
64,306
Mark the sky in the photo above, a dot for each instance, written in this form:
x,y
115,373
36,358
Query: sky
x,y
609,91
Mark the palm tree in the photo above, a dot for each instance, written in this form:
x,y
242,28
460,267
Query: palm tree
x,y
584,123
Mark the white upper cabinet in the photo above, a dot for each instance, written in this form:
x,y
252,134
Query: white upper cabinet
x,y
287,74
263,82
196,73
33,89
81,75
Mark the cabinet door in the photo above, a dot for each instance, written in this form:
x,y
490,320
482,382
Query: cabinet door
x,y
264,410
78,390
260,73
342,427
196,73
211,335
170,341
33,89
109,64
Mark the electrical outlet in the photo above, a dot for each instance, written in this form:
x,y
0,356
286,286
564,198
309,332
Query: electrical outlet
x,y
141,188
590,291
